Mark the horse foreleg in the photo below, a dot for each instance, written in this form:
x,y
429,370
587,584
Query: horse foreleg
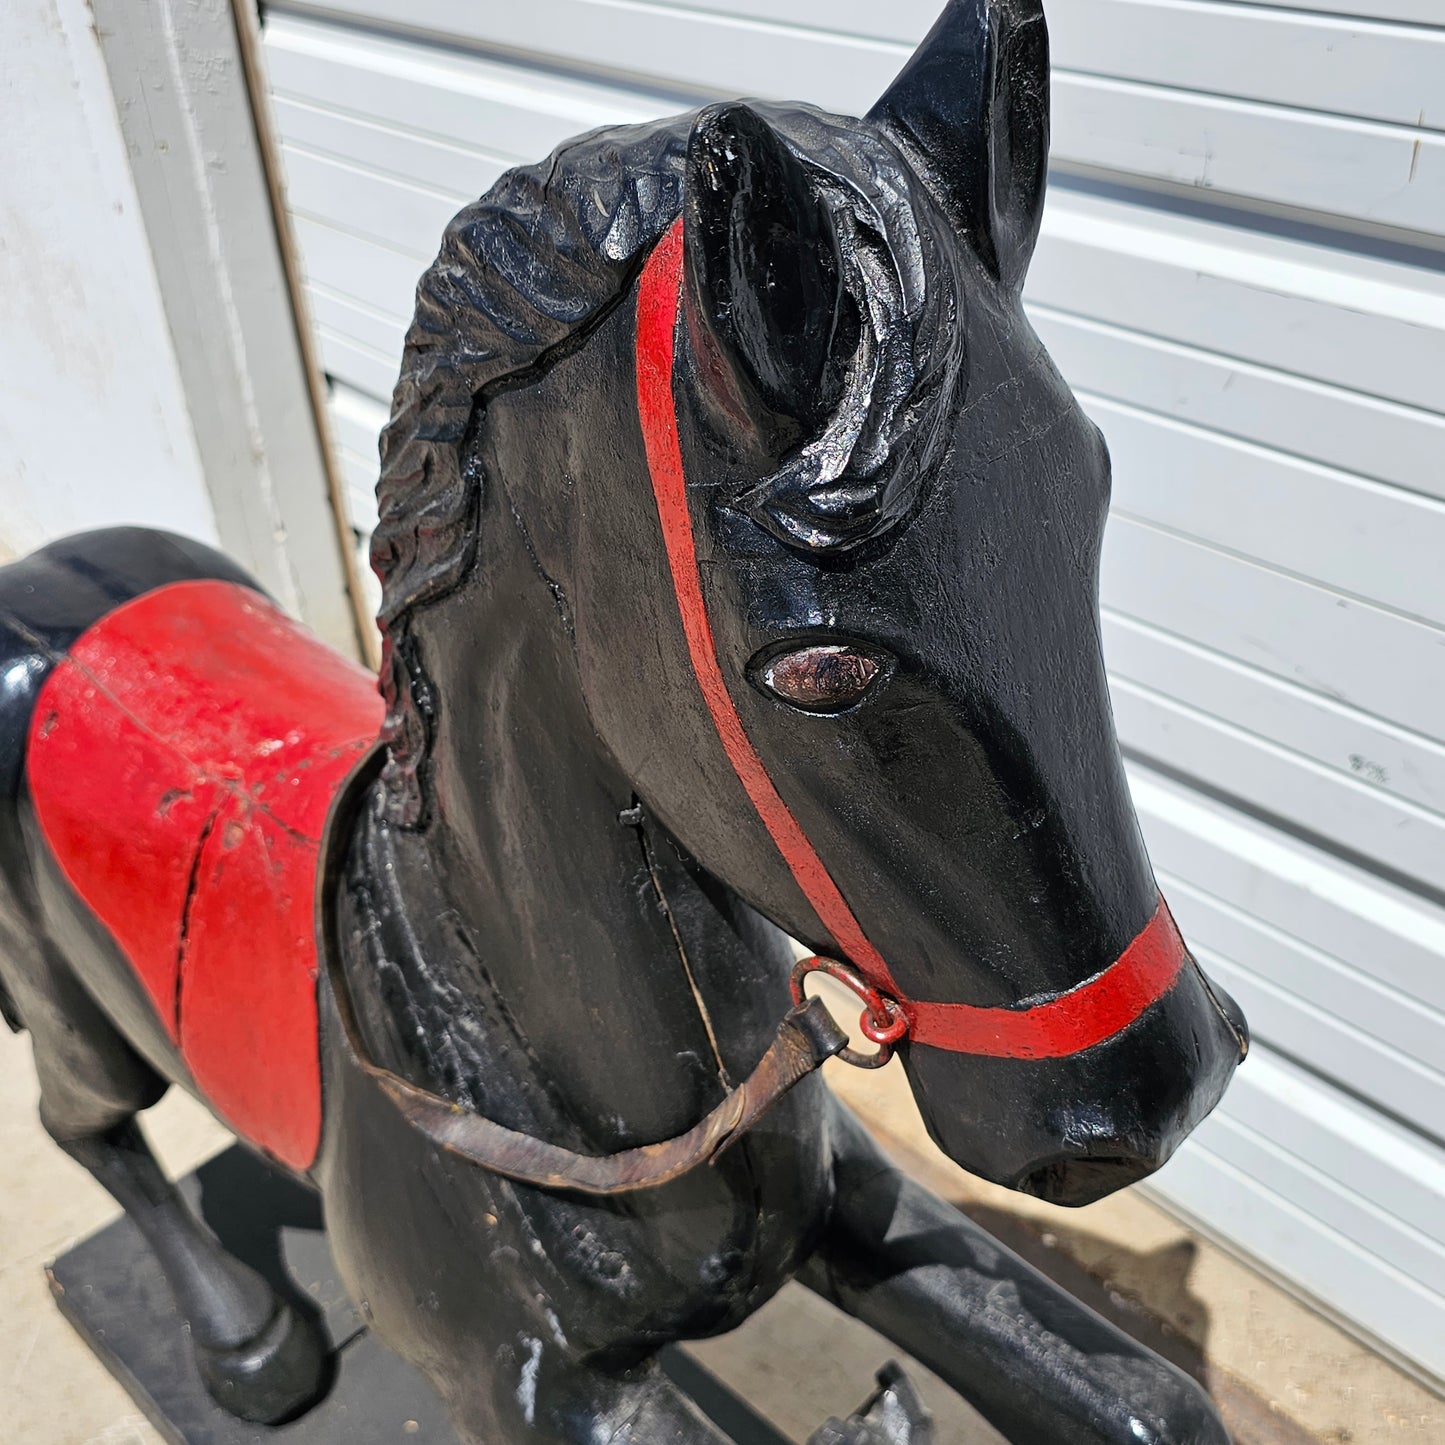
x,y
258,1359
1033,1360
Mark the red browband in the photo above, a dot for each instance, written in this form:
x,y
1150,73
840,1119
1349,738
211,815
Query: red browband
x,y
1066,1024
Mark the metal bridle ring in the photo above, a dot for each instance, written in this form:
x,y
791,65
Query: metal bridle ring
x,y
883,1021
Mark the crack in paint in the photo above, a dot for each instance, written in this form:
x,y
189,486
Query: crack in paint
x,y
193,882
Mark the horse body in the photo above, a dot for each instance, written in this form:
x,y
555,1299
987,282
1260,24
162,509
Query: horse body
x,y
833,674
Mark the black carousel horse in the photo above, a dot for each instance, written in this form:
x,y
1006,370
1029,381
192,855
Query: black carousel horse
x,y
739,545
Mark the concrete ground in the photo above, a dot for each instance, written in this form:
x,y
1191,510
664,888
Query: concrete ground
x,y
1282,1374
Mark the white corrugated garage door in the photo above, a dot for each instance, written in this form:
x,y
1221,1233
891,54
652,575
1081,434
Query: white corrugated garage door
x,y
1241,273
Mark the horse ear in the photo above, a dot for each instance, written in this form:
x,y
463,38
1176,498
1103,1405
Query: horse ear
x,y
972,106
764,292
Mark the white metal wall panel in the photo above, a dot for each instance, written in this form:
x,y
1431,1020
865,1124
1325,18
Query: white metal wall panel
x,y
1271,378
1258,122
1419,12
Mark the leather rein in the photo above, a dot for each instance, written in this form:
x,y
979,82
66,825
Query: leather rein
x,y
808,1036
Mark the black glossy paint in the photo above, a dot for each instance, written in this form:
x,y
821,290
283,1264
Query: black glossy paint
x,y
557,906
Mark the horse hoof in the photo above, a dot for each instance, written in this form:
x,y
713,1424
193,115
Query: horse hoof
x,y
271,1378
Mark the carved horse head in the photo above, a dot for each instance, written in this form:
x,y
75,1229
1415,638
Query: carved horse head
x,y
823,525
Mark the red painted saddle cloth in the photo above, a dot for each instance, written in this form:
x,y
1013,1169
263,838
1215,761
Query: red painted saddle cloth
x,y
182,761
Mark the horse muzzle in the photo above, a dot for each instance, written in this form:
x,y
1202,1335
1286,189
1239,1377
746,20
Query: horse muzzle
x,y
1074,1128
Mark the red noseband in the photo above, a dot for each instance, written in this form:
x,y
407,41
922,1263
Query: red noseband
x,y
1065,1024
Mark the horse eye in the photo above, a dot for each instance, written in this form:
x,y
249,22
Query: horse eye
x,y
823,678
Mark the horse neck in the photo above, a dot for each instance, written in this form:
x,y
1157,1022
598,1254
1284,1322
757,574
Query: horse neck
x,y
553,911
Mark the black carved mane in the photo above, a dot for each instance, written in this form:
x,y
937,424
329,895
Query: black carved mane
x,y
521,272
528,271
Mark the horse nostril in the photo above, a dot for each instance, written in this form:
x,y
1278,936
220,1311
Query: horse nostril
x,y
1076,1181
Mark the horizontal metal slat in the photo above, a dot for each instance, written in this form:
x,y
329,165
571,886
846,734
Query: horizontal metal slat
x,y
905,21
356,423
1414,12
445,167
379,336
1242,49
1380,72
1214,1182
848,51
1376,327
1393,760
360,479
525,112
1364,172
357,420
1347,1206
345,360
1352,535
1298,1174
1381,662
381,280
1373,1070
690,51
1327,424
1383,931
1400,836
405,217
1314,979
1343,1138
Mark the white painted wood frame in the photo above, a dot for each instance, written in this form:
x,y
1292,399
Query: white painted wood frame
x,y
180,86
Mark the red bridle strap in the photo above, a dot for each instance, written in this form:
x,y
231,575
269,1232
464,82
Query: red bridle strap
x,y
657,306
1065,1024
1069,1022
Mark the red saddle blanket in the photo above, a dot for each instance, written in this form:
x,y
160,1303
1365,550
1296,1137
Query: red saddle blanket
x,y
182,761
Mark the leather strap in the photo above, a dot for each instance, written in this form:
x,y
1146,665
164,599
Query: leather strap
x,y
805,1039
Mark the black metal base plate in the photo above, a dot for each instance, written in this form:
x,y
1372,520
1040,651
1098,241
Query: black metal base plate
x,y
111,1289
